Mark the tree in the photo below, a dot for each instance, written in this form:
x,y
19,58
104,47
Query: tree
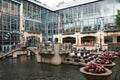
x,y
117,20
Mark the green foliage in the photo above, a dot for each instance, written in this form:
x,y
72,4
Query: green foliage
x,y
117,20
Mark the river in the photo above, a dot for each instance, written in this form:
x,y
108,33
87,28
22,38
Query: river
x,y
27,68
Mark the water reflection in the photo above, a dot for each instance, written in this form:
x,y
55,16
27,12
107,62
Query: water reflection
x,y
27,68
23,59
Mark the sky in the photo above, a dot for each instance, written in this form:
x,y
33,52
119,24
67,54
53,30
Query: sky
x,y
52,3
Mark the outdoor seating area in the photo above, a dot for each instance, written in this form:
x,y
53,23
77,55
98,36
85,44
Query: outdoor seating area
x,y
79,57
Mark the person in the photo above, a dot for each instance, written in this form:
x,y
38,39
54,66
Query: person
x,y
100,49
96,50
84,49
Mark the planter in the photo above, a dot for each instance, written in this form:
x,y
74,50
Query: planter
x,y
96,76
118,55
105,62
105,57
109,66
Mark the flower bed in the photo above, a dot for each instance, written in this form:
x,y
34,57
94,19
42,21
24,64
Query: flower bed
x,y
108,55
106,62
103,61
118,53
95,72
93,68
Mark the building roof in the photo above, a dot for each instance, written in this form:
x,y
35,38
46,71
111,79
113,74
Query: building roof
x,y
40,4
64,5
73,3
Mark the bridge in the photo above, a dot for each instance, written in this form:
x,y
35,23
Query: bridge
x,y
19,51
45,52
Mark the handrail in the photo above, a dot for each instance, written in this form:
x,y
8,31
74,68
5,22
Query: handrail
x,y
8,53
14,50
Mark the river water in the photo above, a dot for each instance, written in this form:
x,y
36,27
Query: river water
x,y
27,68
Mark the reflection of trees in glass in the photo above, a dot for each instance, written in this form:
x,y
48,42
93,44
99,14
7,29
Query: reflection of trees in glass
x,y
77,29
0,3
87,28
32,41
117,20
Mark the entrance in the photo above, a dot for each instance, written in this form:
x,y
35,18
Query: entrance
x,y
88,40
69,40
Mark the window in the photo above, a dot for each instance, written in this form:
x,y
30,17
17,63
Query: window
x,y
108,39
118,38
5,4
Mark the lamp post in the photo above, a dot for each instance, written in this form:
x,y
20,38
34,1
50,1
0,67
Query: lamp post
x,y
100,22
77,39
23,38
100,42
59,29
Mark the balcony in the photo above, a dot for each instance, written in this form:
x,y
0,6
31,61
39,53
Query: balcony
x,y
37,32
89,30
111,27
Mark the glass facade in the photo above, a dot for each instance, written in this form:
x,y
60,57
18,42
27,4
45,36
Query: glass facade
x,y
80,18
89,17
39,19
32,16
9,24
49,24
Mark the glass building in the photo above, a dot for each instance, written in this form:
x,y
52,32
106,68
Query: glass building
x,y
89,22
81,22
9,24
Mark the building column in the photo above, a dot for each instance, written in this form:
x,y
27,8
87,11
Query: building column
x,y
56,59
100,39
15,54
114,39
21,22
28,53
38,57
77,39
